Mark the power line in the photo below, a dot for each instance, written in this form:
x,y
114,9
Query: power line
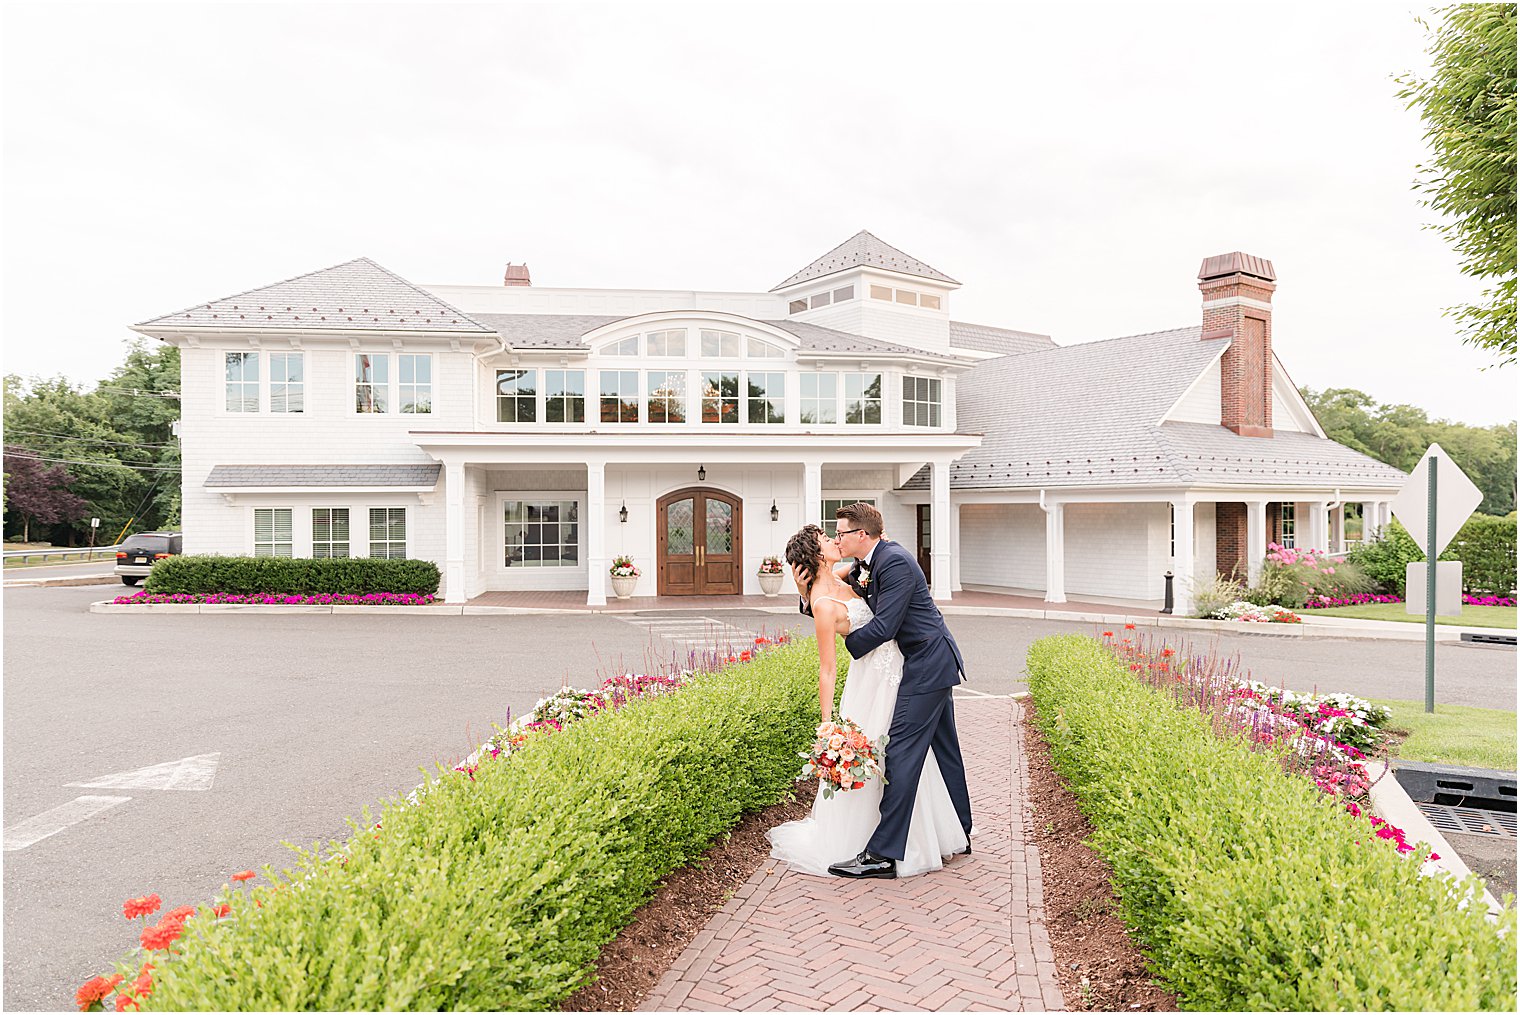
x,y
91,440
138,392
76,461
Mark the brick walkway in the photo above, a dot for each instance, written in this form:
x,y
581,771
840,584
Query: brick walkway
x,y
967,938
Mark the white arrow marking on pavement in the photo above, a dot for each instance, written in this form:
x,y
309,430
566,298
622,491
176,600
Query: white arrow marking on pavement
x,y
194,773
52,822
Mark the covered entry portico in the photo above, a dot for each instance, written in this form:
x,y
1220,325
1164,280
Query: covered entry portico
x,y
765,486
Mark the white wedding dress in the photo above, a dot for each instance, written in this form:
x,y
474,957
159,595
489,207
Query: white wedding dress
x,y
839,827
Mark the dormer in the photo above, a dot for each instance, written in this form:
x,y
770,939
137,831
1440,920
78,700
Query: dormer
x,y
867,287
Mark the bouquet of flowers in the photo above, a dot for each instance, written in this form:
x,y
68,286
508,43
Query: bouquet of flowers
x,y
842,758
622,567
770,565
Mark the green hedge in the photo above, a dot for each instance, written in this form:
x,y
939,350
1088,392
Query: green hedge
x,y
1485,545
1248,888
195,574
499,893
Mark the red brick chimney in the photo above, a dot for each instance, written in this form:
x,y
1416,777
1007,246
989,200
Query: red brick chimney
x,y
1237,305
517,274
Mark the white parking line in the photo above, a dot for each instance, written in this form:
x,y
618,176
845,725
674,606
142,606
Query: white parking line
x,y
23,834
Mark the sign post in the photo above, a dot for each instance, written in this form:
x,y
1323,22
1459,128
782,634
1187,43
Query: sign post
x,y
1433,505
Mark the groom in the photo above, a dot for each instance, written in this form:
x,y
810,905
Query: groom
x,y
893,586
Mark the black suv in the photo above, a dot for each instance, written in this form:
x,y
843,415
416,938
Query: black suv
x,y
139,552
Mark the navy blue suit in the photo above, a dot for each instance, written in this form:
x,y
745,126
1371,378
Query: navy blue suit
x,y
898,594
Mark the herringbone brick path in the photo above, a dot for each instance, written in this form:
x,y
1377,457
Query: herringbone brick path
x,y
968,938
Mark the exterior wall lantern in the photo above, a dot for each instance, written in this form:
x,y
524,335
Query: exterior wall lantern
x,y
701,474
623,513
775,514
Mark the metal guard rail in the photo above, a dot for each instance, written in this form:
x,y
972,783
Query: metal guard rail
x,y
83,552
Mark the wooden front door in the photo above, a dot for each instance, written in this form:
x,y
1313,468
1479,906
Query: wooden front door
x,y
924,535
700,544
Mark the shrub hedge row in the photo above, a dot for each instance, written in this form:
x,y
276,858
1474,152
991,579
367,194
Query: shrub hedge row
x,y
205,573
1485,545
498,893
1248,888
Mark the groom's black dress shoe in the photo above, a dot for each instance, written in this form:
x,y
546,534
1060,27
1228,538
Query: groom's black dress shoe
x,y
963,852
866,865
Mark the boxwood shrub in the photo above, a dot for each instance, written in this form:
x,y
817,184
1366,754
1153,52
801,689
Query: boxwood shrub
x,y
498,893
205,573
1246,887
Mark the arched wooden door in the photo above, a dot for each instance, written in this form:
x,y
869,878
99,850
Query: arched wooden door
x,y
700,543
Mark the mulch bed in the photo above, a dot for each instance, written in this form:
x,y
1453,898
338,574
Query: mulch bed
x,y
1097,965
633,962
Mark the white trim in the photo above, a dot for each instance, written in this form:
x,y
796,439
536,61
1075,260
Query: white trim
x,y
1213,364
500,577
1289,393
1238,301
629,326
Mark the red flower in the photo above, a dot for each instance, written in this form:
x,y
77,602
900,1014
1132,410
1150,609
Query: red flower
x,y
133,908
162,934
1168,652
244,875
1129,627
744,656
143,985
760,641
1108,634
858,785
96,990
180,913
1435,856
221,910
123,1001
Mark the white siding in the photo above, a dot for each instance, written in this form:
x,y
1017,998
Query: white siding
x,y
1107,550
1002,546
1201,403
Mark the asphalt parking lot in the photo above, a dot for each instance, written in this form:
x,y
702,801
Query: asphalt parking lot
x,y
313,717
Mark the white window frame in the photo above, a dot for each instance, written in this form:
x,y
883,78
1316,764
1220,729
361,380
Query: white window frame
x,y
747,401
330,543
803,400
838,499
880,399
738,396
668,343
547,399
517,400
720,335
622,396
242,383
296,388
369,538
415,385
499,576
683,399
274,542
927,411
384,385
1287,524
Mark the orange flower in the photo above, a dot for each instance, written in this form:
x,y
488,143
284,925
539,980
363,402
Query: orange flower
x,y
133,908
244,875
222,910
96,990
1168,652
1129,627
744,656
858,785
123,1001
162,934
1108,634
180,913
143,985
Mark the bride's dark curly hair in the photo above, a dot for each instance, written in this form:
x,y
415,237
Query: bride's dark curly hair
x,y
802,551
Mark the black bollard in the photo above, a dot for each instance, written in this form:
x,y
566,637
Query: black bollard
x,y
1168,607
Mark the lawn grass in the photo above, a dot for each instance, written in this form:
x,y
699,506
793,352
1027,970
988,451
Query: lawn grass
x,y
1455,734
1472,616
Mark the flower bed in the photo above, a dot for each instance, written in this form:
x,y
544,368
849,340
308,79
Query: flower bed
x,y
271,599
1249,889
1250,613
496,885
1327,602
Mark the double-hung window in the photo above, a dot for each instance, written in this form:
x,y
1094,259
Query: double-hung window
x,y
620,396
720,398
565,396
820,397
862,398
516,396
921,401
667,396
1288,521
329,532
766,397
287,382
387,532
414,382
242,382
272,532
372,378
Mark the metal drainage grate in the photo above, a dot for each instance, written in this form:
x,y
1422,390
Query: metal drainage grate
x,y
1471,820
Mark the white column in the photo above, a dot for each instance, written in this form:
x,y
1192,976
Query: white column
x,y
1370,520
1182,562
453,533
955,548
1055,553
940,547
596,534
812,493
1318,536
1256,538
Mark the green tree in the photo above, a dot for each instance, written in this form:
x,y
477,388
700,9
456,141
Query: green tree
x,y
1468,105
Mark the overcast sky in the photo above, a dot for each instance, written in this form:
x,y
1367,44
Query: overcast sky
x,y
1070,164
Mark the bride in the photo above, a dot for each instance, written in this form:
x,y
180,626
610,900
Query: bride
x,y
840,826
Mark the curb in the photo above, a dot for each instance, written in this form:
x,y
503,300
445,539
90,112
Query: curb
x,y
1393,804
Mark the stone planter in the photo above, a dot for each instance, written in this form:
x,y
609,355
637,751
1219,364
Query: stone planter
x,y
623,587
770,584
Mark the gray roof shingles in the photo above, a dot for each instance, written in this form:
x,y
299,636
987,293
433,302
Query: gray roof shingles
x,y
316,476
358,295
866,249
1085,415
1003,341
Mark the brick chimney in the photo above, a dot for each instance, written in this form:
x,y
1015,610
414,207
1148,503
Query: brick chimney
x,y
517,274
1237,306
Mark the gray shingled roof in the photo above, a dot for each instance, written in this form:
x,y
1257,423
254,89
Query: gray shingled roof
x,y
1085,415
865,249
372,476
358,295
564,331
1003,341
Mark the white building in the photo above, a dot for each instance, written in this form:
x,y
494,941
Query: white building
x,y
522,437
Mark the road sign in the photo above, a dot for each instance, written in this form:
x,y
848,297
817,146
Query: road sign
x,y
94,523
1456,499
1448,588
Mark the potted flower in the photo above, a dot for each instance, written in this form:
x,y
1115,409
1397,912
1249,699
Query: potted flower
x,y
770,575
624,576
